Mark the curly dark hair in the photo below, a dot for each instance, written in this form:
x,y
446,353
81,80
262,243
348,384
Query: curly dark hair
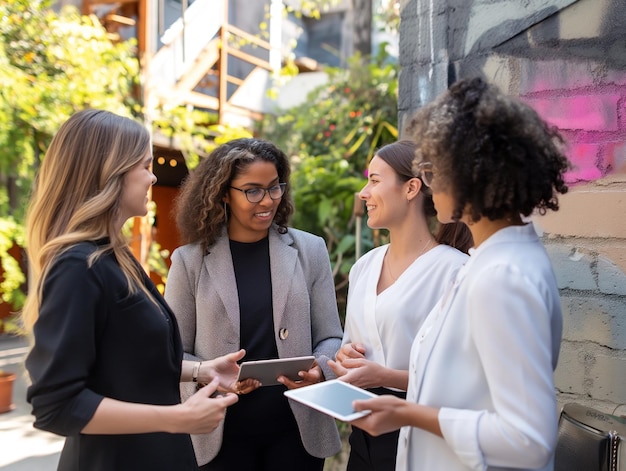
x,y
200,210
493,152
400,156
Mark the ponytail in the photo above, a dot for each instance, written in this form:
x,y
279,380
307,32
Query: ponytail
x,y
455,234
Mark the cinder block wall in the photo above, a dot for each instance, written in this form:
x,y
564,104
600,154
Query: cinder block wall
x,y
567,59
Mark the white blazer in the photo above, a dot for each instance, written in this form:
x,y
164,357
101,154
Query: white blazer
x,y
486,356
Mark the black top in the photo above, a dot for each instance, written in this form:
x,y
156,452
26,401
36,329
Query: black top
x,y
94,340
266,408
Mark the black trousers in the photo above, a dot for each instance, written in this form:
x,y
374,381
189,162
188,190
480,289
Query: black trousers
x,y
369,453
264,452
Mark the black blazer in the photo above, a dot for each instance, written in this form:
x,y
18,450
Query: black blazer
x,y
93,340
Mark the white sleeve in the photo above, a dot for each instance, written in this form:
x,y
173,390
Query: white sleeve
x,y
510,327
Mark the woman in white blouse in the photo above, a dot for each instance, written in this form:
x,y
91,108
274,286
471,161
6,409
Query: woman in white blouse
x,y
481,392
392,289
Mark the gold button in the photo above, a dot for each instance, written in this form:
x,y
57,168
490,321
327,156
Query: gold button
x,y
283,333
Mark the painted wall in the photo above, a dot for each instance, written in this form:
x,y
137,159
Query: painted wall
x,y
567,59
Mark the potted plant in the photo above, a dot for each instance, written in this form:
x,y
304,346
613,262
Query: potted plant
x,y
11,326
6,391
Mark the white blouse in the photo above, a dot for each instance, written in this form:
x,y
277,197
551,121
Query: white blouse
x,y
387,323
486,357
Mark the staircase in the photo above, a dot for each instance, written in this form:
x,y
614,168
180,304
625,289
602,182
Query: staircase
x,y
192,66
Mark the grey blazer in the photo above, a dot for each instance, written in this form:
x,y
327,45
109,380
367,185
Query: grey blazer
x,y
202,292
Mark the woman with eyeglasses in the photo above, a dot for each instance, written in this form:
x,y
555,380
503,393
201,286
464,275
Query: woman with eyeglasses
x,y
392,289
246,280
481,389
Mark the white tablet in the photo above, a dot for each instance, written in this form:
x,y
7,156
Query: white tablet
x,y
333,397
266,371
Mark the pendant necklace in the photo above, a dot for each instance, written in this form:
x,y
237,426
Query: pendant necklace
x,y
426,245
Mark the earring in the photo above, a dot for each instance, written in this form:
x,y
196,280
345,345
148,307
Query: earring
x,y
225,213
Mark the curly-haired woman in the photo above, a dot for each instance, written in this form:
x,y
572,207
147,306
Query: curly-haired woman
x,y
481,391
244,280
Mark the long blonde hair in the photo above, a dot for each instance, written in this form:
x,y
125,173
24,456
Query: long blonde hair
x,y
76,196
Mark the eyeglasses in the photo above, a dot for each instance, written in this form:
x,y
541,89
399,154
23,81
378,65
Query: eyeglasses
x,y
425,171
256,195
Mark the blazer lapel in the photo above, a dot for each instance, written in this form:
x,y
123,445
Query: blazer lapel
x,y
371,298
283,259
219,265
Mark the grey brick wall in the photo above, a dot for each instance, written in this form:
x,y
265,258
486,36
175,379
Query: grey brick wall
x,y
567,59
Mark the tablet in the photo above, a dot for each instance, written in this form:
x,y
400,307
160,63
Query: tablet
x,y
266,371
333,397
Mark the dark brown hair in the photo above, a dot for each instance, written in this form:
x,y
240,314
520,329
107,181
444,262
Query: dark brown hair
x,y
493,152
399,156
200,210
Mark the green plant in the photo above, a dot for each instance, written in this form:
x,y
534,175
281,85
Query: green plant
x,y
12,278
330,139
195,133
51,65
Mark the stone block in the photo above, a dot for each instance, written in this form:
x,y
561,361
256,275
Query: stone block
x,y
614,251
615,157
572,267
552,75
569,375
598,319
579,112
608,379
611,279
585,159
591,371
588,211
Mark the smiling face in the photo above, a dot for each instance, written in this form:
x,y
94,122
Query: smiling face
x,y
250,222
385,196
137,182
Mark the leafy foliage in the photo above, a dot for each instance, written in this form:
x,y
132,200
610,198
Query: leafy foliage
x,y
51,65
195,132
330,139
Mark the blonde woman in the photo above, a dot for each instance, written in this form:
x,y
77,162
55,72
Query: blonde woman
x,y
107,356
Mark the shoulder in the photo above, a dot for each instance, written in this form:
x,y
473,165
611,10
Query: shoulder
x,y
369,256
303,240
513,268
450,256
364,263
74,267
80,250
301,235
78,255
188,252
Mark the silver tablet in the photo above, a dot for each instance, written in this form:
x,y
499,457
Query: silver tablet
x,y
266,371
333,397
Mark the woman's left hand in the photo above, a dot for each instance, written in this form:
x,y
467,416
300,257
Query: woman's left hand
x,y
314,375
358,371
226,369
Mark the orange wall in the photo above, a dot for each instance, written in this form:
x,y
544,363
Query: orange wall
x,y
165,233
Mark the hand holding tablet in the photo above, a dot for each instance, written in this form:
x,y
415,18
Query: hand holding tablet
x,y
333,397
266,371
